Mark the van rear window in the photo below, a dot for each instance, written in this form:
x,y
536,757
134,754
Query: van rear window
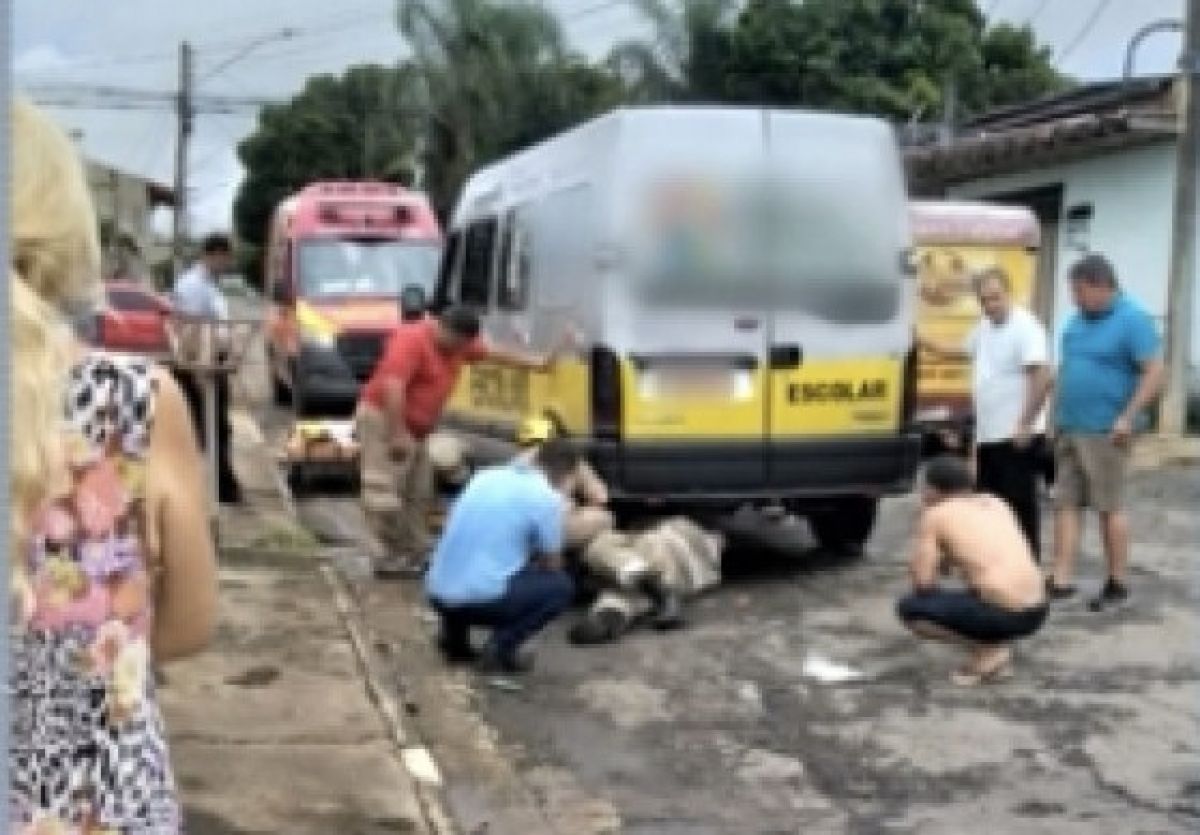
x,y
769,246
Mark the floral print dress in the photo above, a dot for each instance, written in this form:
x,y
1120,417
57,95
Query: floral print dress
x,y
88,751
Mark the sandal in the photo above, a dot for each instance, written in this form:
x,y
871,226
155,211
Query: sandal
x,y
973,678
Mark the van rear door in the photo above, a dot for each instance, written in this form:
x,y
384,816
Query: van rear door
x,y
840,325
691,337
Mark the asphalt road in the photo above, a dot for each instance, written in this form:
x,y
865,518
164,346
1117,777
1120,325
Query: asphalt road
x,y
794,702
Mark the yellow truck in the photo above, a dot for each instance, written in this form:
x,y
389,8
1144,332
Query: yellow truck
x,y
955,240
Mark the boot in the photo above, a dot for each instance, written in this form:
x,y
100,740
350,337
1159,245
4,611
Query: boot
x,y
668,605
600,627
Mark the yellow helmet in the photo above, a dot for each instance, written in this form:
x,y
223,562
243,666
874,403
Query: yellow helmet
x,y
534,430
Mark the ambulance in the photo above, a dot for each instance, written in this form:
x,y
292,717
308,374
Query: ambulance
x,y
744,282
341,259
956,240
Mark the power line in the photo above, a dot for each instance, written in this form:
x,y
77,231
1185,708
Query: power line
x,y
1088,26
1037,12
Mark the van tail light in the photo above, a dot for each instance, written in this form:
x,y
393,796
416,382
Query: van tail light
x,y
606,394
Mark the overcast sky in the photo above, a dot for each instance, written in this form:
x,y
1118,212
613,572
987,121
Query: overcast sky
x,y
134,43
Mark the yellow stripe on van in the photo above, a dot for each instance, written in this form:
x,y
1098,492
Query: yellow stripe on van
x,y
491,393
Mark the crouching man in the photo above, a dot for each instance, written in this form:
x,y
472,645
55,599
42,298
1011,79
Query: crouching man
x,y
586,495
647,574
978,536
499,561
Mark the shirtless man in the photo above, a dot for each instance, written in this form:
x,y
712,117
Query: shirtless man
x,y
977,535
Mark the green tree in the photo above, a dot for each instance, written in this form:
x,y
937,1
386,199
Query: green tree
x,y
361,125
496,77
685,60
893,58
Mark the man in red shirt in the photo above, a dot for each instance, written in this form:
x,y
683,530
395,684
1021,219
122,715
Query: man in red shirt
x,y
398,408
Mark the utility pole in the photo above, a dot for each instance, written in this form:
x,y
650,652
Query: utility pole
x,y
185,114
1181,282
114,245
949,126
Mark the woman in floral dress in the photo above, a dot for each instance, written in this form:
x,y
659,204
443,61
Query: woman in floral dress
x,y
112,562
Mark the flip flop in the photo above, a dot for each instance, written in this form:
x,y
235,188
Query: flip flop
x,y
972,678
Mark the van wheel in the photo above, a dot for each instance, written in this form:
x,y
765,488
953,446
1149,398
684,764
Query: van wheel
x,y
845,527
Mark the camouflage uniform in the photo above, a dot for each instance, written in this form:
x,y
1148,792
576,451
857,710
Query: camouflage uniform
x,y
674,560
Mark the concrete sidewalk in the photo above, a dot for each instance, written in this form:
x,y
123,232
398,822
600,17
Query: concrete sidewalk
x,y
274,728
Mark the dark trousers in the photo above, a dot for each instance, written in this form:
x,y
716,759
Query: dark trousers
x,y
534,597
227,484
1011,473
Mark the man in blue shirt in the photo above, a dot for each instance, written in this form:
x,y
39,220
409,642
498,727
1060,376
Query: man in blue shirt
x,y
1110,370
499,560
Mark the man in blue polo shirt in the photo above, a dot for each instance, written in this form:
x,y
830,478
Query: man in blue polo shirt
x,y
1111,369
499,560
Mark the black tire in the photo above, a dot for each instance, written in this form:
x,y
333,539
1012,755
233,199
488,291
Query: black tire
x,y
845,527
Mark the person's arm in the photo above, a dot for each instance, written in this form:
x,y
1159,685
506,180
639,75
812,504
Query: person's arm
x,y
515,358
1146,349
592,488
398,365
924,565
394,394
1038,381
548,535
1149,386
178,535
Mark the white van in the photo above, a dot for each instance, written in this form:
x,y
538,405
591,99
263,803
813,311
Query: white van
x,y
743,277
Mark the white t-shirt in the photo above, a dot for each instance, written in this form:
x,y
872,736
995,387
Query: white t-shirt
x,y
1000,356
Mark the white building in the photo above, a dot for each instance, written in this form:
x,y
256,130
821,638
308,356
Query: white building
x,y
124,204
1097,165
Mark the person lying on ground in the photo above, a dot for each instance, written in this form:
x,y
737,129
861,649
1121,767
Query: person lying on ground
x,y
499,561
978,537
648,574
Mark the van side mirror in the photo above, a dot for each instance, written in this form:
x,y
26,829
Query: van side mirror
x,y
413,302
282,294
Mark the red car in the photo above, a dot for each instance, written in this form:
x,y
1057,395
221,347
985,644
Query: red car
x,y
135,320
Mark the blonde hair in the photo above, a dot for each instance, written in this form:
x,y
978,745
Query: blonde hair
x,y
55,265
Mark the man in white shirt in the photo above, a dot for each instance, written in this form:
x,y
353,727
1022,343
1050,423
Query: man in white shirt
x,y
1010,383
197,294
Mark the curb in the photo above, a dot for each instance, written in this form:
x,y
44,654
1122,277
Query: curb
x,y
416,759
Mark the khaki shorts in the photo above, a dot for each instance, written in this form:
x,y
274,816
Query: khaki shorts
x,y
1091,472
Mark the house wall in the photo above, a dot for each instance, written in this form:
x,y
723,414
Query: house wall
x,y
122,205
1131,193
